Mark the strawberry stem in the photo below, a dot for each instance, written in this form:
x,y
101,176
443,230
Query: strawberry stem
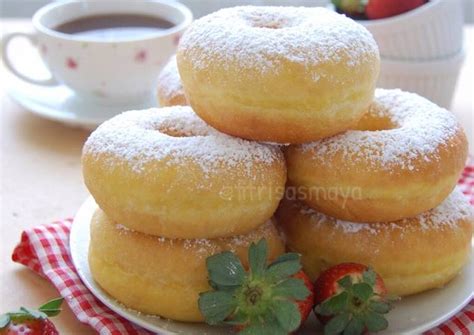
x,y
356,308
260,300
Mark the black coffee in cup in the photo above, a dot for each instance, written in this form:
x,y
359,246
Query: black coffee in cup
x,y
114,26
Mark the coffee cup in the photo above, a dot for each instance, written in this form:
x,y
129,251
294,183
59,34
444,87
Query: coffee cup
x,y
109,64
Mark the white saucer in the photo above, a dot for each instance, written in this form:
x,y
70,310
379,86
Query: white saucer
x,y
411,315
59,103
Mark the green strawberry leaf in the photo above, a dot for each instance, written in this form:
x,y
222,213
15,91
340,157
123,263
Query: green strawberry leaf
x,y
337,3
258,257
375,322
369,277
334,305
337,324
289,256
261,301
363,291
287,314
225,269
282,270
292,288
238,318
354,327
380,307
345,282
52,307
19,315
362,5
4,320
33,313
216,306
350,6
391,298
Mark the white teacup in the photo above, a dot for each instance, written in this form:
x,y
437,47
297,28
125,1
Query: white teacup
x,y
122,71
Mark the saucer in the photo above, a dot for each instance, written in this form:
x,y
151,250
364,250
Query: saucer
x,y
59,103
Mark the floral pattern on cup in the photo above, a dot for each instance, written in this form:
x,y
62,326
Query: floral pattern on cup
x,y
71,63
129,67
141,56
176,39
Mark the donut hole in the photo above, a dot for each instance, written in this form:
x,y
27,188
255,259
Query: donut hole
x,y
173,132
268,25
259,20
179,130
371,122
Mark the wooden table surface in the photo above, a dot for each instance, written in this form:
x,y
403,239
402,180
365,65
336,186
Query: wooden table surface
x,y
41,181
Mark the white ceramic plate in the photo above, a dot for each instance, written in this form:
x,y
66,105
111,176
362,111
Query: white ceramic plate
x,y
59,103
412,315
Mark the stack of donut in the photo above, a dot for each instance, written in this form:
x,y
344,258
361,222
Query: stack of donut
x,y
265,102
173,191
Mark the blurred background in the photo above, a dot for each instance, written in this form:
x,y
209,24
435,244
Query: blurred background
x,y
423,50
26,8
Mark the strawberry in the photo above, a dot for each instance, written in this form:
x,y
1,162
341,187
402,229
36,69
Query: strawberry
x,y
353,8
31,322
305,306
351,298
375,9
268,299
379,9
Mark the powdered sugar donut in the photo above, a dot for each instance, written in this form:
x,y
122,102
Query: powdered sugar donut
x,y
160,276
411,255
404,159
165,172
170,90
279,74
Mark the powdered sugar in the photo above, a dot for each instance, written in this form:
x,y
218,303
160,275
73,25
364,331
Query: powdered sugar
x,y
200,246
420,127
264,39
253,236
169,81
454,208
175,135
122,228
205,247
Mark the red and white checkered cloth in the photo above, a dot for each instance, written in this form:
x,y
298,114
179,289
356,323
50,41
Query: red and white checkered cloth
x,y
45,250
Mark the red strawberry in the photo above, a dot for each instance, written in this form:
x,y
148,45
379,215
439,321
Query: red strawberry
x,y
379,9
351,298
375,9
31,322
305,306
30,327
268,299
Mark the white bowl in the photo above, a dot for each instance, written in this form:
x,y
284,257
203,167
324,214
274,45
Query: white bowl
x,y
435,80
432,31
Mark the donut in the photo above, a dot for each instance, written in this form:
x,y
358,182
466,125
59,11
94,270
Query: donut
x,y
278,74
170,90
403,158
412,255
160,276
165,172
